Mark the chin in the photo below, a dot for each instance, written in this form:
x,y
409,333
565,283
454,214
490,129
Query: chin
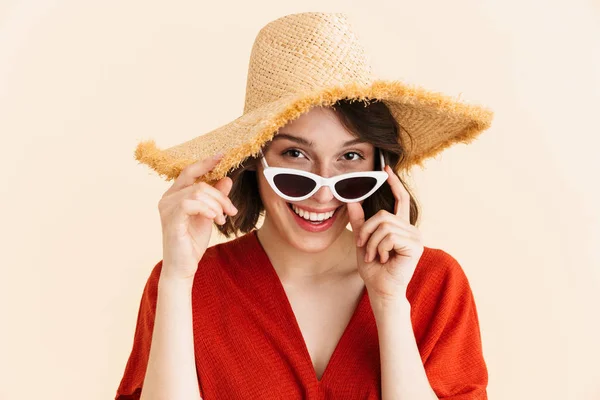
x,y
310,245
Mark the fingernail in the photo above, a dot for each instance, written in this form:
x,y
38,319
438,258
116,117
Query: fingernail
x,y
217,156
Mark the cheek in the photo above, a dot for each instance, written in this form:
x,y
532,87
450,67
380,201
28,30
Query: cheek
x,y
264,188
267,195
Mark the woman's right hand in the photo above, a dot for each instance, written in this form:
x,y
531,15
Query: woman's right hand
x,y
187,211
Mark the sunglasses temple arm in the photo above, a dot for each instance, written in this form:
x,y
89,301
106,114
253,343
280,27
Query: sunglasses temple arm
x,y
263,159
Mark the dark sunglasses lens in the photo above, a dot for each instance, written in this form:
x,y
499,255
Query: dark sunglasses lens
x,y
353,188
294,185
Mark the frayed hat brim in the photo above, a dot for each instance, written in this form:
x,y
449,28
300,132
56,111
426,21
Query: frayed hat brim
x,y
435,122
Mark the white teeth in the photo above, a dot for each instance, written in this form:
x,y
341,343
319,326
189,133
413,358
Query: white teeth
x,y
311,216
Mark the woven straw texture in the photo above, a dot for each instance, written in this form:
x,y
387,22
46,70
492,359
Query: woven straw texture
x,y
310,59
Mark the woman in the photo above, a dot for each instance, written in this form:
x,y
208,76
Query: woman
x,y
301,309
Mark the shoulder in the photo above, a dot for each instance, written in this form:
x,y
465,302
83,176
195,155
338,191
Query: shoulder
x,y
437,275
440,265
441,298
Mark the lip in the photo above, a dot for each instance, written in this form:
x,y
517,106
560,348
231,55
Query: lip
x,y
306,225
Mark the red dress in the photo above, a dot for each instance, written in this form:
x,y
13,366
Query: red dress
x,y
248,344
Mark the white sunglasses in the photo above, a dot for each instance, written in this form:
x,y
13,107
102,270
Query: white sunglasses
x,y
296,185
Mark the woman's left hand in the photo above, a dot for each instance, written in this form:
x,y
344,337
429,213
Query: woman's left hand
x,y
391,236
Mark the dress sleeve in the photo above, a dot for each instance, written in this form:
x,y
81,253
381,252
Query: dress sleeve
x,y
130,387
454,360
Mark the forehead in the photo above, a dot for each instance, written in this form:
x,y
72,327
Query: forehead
x,y
318,126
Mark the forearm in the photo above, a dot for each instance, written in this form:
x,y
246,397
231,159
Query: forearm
x,y
403,375
171,370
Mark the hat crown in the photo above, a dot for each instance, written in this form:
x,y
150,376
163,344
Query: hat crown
x,y
298,53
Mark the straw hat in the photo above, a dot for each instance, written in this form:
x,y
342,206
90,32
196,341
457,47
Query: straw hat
x,y
310,59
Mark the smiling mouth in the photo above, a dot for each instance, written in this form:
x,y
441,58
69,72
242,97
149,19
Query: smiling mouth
x,y
335,212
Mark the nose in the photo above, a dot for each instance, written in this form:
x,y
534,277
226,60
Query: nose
x,y
323,195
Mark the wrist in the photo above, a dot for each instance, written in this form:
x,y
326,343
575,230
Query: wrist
x,y
390,306
168,281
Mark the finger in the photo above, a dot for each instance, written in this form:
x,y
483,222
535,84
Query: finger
x,y
374,239
197,207
189,174
402,206
224,185
383,215
386,246
384,258
203,187
213,204
367,228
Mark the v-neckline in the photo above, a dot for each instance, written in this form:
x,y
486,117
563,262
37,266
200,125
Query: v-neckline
x,y
288,313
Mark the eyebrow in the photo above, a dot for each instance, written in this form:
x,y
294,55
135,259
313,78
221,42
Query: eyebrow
x,y
308,143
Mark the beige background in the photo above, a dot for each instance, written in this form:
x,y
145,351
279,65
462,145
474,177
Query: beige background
x,y
81,82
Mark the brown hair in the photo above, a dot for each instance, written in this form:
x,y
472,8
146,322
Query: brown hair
x,y
371,121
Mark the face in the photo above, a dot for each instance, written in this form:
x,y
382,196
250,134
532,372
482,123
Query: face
x,y
314,142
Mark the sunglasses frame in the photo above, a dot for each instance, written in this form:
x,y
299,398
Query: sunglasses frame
x,y
271,172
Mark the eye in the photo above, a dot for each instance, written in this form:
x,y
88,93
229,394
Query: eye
x,y
291,150
360,157
296,151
